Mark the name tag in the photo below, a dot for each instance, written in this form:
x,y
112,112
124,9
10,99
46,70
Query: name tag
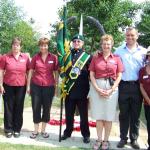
x,y
50,62
145,77
22,60
112,61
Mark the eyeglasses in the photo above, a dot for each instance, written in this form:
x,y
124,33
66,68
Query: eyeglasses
x,y
76,41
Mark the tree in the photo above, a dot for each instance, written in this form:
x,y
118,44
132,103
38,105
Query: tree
x,y
143,25
9,15
12,24
112,14
23,30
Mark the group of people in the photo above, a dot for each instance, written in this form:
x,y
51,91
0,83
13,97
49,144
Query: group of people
x,y
101,81
38,77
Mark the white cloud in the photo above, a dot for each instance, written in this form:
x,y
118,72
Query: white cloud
x,y
43,12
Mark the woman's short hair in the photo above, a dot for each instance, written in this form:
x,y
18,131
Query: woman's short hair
x,y
43,41
16,40
107,37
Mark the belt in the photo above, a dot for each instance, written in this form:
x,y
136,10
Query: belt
x,y
130,82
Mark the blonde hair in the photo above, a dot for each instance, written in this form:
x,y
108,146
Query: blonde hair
x,y
107,37
43,41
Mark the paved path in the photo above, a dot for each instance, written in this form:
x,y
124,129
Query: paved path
x,y
74,141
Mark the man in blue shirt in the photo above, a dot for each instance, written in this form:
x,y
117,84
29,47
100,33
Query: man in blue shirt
x,y
130,98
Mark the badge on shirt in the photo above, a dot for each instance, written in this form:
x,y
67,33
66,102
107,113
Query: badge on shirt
x,y
50,62
76,70
112,61
22,60
145,77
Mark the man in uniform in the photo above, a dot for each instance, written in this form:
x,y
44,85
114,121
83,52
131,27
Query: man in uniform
x,y
79,76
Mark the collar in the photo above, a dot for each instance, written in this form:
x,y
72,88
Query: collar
x,y
76,50
137,48
40,54
11,54
100,54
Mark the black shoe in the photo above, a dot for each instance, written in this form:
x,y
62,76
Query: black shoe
x,y
135,144
16,134
64,137
8,134
122,143
86,140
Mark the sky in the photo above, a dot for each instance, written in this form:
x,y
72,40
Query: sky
x,y
44,12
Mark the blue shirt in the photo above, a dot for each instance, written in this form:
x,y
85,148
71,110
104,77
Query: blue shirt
x,y
132,61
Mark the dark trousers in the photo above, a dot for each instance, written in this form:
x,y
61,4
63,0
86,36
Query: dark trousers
x,y
13,107
130,102
41,101
147,116
70,106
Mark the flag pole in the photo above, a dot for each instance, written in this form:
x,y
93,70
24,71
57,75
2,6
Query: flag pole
x,y
81,26
61,113
61,101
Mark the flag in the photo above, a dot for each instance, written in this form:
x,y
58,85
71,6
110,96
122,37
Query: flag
x,y
64,53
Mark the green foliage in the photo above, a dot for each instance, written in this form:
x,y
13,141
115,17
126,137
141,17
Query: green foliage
x,y
8,18
112,14
23,30
143,26
11,25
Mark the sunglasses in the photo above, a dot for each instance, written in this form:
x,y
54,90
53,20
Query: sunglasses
x,y
76,41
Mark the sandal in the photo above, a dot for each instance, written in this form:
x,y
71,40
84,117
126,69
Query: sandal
x,y
44,134
33,135
97,145
105,145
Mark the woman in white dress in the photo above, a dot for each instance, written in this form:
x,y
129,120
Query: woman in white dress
x,y
105,74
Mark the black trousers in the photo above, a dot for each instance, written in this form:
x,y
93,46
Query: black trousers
x,y
130,103
13,107
70,106
42,97
147,116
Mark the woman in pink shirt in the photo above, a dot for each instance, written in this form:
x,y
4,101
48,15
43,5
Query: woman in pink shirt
x,y
105,74
13,75
41,85
144,78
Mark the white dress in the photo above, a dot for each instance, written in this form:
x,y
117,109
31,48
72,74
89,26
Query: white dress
x,y
103,108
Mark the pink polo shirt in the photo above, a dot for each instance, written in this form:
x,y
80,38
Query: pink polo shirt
x,y
15,71
43,74
106,68
144,78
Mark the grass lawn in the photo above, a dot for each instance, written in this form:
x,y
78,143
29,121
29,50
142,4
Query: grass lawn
x,y
7,146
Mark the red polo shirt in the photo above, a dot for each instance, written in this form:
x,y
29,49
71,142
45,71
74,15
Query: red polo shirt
x,y
106,68
15,70
144,78
43,74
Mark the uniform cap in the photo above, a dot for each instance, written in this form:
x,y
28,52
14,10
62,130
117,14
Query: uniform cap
x,y
78,36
